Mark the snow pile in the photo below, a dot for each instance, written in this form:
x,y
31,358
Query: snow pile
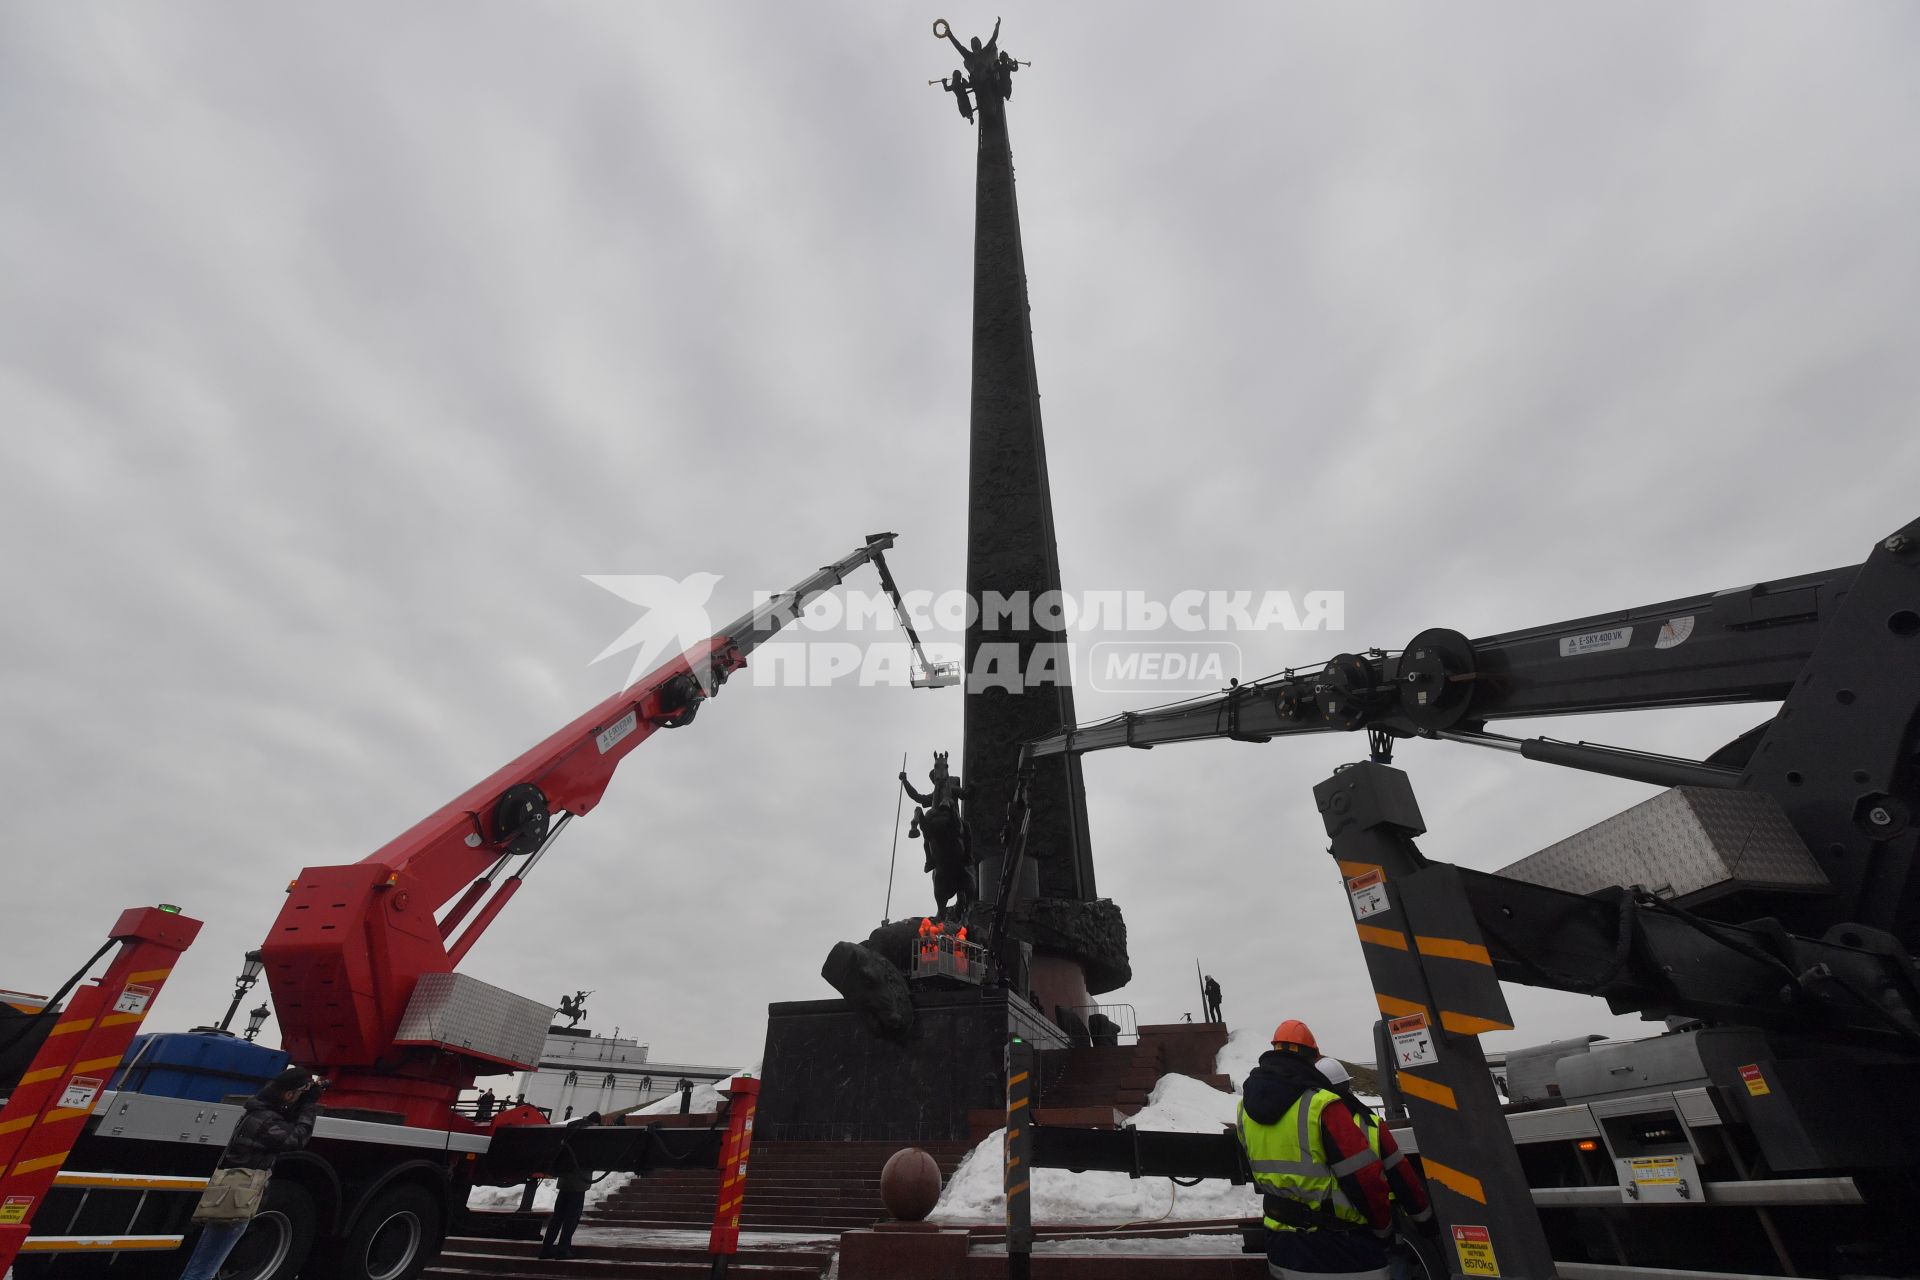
x,y
1179,1104
1241,1053
706,1097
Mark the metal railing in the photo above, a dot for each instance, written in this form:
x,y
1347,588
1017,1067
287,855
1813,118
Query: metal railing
x,y
1121,1015
946,956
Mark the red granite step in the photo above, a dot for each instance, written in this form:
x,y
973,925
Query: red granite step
x,y
505,1260
791,1186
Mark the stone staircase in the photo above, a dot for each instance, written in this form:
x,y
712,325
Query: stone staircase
x,y
1118,1080
470,1258
825,1188
1078,1086
808,1187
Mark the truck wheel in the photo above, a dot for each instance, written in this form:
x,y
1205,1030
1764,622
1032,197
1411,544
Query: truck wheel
x,y
281,1235
396,1237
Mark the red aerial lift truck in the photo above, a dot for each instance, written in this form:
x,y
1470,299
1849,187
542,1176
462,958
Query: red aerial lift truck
x,y
362,964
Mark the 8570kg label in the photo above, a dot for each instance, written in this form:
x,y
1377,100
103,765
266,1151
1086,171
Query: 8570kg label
x,y
1475,1247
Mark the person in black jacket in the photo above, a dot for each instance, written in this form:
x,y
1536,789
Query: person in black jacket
x,y
278,1119
571,1179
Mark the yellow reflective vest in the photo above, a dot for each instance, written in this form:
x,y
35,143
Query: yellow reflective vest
x,y
1289,1160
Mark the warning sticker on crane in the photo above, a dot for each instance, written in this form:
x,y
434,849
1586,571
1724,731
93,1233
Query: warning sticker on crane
x,y
1674,632
13,1210
134,998
1654,1170
609,738
80,1092
1755,1082
1475,1247
1596,641
1413,1040
1369,893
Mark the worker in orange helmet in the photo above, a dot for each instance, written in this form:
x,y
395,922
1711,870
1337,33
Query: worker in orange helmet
x,y
1326,1205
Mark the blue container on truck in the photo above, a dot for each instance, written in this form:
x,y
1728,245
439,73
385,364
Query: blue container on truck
x,y
204,1066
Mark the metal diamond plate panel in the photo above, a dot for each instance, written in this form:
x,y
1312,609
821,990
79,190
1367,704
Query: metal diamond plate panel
x,y
473,1017
1558,1125
1687,843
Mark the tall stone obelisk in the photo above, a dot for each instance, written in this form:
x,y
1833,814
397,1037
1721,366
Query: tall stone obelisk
x,y
1018,685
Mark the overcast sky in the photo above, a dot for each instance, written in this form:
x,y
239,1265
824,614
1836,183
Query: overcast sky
x,y
338,343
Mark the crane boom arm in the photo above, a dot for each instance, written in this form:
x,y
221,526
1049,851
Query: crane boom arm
x,y
572,767
1747,644
1839,650
352,941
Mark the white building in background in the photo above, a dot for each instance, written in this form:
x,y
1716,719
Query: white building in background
x,y
580,1072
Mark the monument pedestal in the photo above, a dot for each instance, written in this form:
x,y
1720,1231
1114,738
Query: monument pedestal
x,y
888,1250
828,1078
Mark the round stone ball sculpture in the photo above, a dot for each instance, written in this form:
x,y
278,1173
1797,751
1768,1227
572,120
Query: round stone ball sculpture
x,y
910,1184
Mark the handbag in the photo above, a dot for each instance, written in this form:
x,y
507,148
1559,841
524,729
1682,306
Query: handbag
x,y
232,1195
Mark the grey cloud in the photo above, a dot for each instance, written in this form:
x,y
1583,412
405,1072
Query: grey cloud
x,y
338,346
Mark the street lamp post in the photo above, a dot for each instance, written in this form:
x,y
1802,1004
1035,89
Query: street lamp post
x,y
250,972
257,1019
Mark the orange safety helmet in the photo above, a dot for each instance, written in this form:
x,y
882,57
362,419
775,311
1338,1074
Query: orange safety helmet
x,y
1294,1034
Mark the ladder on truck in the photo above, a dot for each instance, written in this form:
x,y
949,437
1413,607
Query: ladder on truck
x,y
49,1108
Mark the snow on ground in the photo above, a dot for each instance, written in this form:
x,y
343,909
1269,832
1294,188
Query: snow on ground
x,y
1178,1104
506,1199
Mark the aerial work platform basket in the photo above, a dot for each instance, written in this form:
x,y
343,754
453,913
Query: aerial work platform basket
x,y
942,951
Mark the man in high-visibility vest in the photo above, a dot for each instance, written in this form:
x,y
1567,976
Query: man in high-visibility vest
x,y
1327,1208
1404,1182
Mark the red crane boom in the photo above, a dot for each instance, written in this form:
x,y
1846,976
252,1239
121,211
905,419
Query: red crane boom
x,y
352,942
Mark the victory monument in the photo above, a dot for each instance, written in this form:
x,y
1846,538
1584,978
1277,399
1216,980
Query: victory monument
x,y
904,1056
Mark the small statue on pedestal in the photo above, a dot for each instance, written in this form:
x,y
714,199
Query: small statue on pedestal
x,y
574,1007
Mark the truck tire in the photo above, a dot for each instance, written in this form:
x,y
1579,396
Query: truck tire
x,y
280,1238
395,1238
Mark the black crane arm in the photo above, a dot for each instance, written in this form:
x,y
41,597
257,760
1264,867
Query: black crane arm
x,y
1839,650
1818,963
1747,644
